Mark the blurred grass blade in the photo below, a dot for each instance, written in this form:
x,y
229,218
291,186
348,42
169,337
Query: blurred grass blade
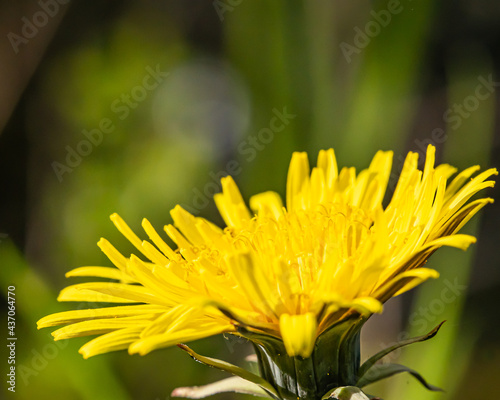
x,y
234,384
381,104
346,393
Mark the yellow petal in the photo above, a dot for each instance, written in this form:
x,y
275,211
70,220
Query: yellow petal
x,y
328,163
186,223
380,171
182,243
251,280
100,326
79,294
415,278
470,189
231,205
459,180
162,291
68,317
362,305
367,305
213,235
114,255
267,204
457,221
168,321
157,240
148,344
153,254
125,230
407,178
459,241
100,272
298,175
298,333
430,159
242,317
130,293
117,340
404,282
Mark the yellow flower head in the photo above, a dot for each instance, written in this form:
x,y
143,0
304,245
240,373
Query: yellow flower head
x,y
290,273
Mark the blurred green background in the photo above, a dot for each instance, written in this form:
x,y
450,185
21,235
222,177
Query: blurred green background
x,y
133,107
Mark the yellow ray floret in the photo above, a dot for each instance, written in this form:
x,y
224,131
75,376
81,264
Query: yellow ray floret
x,y
289,272
299,333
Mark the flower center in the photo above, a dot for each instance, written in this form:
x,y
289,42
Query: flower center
x,y
304,241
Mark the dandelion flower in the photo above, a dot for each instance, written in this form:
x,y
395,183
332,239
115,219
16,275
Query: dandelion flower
x,y
297,281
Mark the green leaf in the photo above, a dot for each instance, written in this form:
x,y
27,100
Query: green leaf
x,y
372,360
232,369
234,384
382,371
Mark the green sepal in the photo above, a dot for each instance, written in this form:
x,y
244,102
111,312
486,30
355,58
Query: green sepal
x,y
372,360
232,369
281,370
382,371
337,354
235,384
334,362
